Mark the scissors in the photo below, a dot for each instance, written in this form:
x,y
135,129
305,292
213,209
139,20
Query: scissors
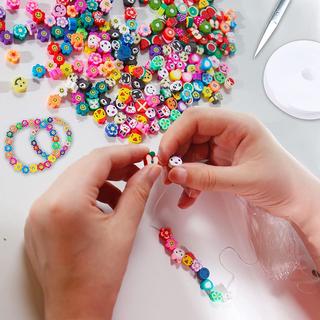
x,y
276,17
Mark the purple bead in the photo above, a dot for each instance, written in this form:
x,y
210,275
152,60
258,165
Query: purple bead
x,y
197,76
155,50
181,17
2,13
182,106
43,35
32,27
6,37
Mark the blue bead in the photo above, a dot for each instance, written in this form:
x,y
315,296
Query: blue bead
x,y
206,285
207,78
124,53
8,148
203,274
205,64
198,86
25,169
73,25
111,130
196,96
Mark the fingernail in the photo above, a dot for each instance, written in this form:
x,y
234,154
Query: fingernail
x,y
191,193
179,175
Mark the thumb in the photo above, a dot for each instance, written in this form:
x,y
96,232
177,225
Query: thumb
x,y
131,204
204,177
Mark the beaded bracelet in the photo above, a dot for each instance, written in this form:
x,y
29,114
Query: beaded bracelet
x,y
37,125
189,261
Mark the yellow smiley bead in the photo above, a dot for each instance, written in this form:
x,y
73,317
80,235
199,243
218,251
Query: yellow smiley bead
x,y
18,166
33,168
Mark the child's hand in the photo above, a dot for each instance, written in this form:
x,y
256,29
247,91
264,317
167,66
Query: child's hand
x,y
241,157
78,253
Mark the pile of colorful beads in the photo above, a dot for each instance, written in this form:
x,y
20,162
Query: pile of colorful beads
x,y
48,159
190,262
187,44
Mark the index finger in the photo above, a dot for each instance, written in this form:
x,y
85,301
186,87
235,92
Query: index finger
x,y
196,121
94,169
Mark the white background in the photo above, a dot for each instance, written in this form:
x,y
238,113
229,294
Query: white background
x,y
152,288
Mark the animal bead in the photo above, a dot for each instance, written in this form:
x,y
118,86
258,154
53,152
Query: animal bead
x,y
174,161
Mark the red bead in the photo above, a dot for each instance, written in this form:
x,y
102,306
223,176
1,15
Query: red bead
x,y
165,234
38,16
2,25
141,106
130,13
167,2
53,48
171,22
168,34
59,59
98,18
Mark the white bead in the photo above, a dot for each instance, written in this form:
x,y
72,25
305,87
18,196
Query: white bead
x,y
175,162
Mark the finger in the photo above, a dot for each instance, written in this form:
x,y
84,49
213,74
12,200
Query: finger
x,y
197,152
134,197
93,170
203,177
124,173
196,121
109,194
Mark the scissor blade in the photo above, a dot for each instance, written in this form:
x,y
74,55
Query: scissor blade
x,y
273,24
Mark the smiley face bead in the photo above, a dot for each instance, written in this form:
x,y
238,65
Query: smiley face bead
x,y
175,161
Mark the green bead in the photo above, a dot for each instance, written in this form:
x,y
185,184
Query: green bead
x,y
83,31
155,4
56,145
69,138
189,22
182,8
19,126
164,124
216,296
175,114
206,285
220,77
157,25
171,11
57,32
162,9
157,63
205,27
188,86
166,92
9,134
193,11
218,53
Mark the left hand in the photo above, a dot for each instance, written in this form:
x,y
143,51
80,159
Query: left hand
x,y
78,253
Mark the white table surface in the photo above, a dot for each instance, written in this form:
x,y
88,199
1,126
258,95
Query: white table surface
x,y
152,288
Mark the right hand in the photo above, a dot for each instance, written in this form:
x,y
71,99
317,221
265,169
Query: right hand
x,y
241,156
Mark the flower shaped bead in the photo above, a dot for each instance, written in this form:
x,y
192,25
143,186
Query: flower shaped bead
x,y
2,26
62,22
78,66
50,20
13,4
43,35
171,244
196,265
6,37
31,6
165,234
66,69
66,48
20,32
95,58
50,66
77,97
92,5
92,71
72,11
38,71
13,56
80,5
54,101
82,109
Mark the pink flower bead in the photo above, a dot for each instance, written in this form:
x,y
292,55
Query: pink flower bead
x,y
153,101
171,244
92,71
78,66
196,265
31,6
62,22
13,4
55,74
105,6
50,20
144,30
13,161
77,97
95,58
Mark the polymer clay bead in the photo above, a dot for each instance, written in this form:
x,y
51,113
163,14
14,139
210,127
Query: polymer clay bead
x,y
174,161
19,85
